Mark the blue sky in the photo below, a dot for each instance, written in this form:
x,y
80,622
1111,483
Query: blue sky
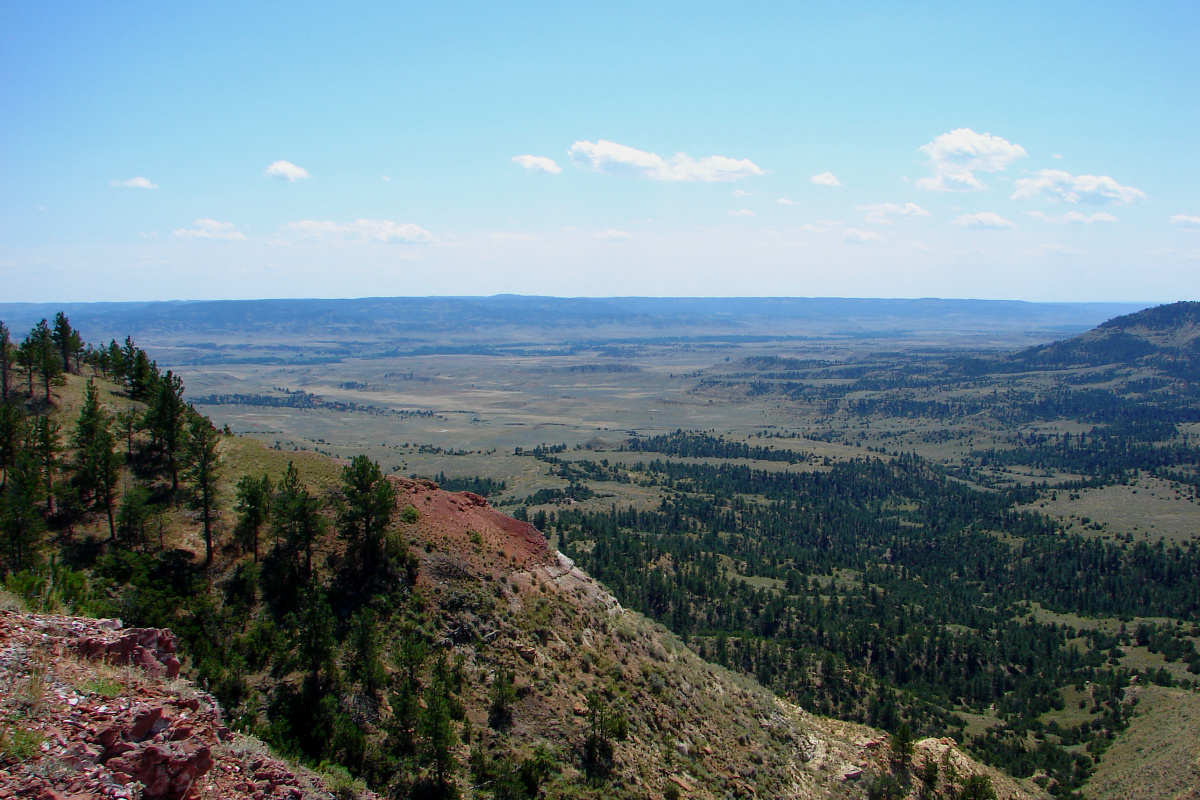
x,y
1037,151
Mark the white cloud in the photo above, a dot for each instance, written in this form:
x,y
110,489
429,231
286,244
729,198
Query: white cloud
x,y
956,157
1186,222
882,212
1074,218
783,201
134,183
286,171
825,179
984,219
742,193
741,212
538,164
617,159
1052,249
361,230
1095,190
613,235
211,229
861,237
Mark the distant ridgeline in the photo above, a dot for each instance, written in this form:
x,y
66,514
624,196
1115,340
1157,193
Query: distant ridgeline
x,y
422,316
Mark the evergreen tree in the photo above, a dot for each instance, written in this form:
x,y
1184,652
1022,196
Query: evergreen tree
x,y
12,422
166,419
20,519
315,642
365,664
127,423
45,446
45,355
202,470
901,745
6,361
297,517
368,503
133,514
438,737
67,339
96,463
115,360
26,358
253,506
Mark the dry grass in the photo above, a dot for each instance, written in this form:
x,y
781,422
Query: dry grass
x,y
1158,756
1148,509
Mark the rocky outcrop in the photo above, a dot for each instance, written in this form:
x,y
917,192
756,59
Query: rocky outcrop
x,y
149,648
89,709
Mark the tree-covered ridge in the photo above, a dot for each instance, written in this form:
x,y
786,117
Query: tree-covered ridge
x,y
1164,337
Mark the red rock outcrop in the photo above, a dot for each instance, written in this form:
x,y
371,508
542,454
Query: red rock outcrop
x,y
91,702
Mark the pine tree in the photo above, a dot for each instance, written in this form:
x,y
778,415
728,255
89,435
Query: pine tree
x,y
97,465
6,361
901,746
66,338
46,447
315,641
297,517
202,470
253,506
365,664
26,358
45,356
12,422
437,734
166,418
20,519
369,500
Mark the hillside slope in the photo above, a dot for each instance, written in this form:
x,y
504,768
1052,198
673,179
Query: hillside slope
x,y
498,600
692,725
1159,755
1164,337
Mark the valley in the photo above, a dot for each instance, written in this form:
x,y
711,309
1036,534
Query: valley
x,y
940,523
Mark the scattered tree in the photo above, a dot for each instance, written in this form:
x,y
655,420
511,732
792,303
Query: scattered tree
x,y
97,465
253,506
202,470
366,510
